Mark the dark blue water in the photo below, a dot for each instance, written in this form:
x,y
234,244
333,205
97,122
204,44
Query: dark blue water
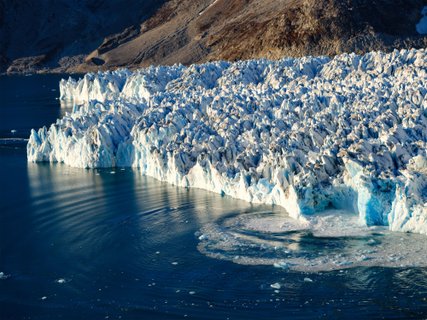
x,y
89,244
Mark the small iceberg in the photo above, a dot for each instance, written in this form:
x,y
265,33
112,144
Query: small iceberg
x,y
275,286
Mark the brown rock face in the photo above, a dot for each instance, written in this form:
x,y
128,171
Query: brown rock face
x,y
57,29
193,31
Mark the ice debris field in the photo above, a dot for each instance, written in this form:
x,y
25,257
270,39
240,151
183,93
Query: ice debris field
x,y
308,134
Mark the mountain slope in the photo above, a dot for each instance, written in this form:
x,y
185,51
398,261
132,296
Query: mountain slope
x,y
51,33
191,31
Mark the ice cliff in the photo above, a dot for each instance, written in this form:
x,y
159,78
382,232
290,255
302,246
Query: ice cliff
x,y
307,134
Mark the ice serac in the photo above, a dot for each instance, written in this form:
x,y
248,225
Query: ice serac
x,y
94,87
307,134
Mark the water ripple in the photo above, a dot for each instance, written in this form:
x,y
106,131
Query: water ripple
x,y
332,240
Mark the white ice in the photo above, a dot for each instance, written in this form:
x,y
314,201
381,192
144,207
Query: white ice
x,y
307,134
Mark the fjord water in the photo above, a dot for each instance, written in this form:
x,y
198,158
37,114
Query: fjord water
x,y
112,244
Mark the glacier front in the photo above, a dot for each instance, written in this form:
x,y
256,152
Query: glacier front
x,y
307,134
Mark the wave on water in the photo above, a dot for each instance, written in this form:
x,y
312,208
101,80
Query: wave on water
x,y
13,142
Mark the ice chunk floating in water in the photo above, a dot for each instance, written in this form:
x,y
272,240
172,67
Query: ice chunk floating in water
x,y
307,134
422,24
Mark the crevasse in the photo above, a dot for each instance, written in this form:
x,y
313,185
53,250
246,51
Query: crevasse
x,y
306,134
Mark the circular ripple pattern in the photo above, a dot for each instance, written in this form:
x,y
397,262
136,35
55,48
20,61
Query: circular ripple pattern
x,y
328,241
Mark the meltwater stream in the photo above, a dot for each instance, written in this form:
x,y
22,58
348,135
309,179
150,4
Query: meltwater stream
x,y
112,244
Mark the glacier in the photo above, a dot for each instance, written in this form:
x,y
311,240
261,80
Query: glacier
x,y
307,134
